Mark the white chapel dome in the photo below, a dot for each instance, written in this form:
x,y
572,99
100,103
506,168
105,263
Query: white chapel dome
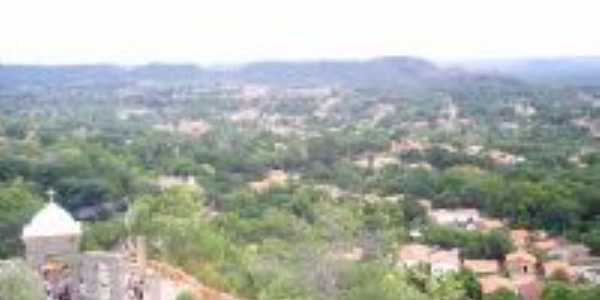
x,y
52,220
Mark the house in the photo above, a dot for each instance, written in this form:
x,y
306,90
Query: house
x,y
273,178
126,114
539,235
589,272
493,283
555,268
519,237
426,205
482,266
166,182
408,145
489,224
250,92
520,262
413,254
473,150
528,287
463,218
572,253
441,261
353,254
524,109
377,162
502,158
547,245
444,261
193,128
421,166
595,129
245,116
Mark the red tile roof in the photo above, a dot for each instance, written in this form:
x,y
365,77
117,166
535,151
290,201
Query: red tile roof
x,y
482,266
528,287
493,283
520,256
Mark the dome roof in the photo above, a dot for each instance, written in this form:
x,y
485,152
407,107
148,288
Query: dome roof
x,y
52,220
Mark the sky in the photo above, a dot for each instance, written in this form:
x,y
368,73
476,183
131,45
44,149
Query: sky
x,y
226,31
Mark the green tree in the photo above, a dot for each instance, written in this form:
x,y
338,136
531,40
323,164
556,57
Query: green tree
x,y
19,282
18,204
502,294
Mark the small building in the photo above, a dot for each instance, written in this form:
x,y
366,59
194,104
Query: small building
x,y
167,182
377,162
444,261
528,287
473,150
193,129
520,237
547,245
482,266
489,224
353,254
440,261
273,178
520,263
462,218
555,268
493,283
588,272
413,254
572,253
408,145
503,158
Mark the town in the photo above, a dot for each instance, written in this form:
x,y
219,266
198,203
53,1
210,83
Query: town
x,y
388,178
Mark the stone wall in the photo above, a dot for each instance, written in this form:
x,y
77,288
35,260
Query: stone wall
x,y
103,276
38,250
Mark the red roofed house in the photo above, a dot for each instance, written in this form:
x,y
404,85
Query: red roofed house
x,y
494,283
573,253
547,245
444,261
519,237
482,266
520,262
528,287
414,254
441,261
555,267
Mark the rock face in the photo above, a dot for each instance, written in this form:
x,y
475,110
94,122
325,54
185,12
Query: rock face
x,y
103,276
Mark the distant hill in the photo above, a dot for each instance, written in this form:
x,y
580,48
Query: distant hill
x,y
568,70
385,72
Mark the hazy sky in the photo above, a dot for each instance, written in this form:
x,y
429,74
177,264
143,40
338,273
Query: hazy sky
x,y
225,31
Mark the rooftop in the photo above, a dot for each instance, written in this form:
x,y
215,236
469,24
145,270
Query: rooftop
x,y
482,266
417,252
52,220
521,255
493,283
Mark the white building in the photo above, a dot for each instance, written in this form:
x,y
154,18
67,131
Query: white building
x,y
441,261
464,218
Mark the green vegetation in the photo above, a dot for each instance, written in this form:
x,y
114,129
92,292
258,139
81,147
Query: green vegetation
x,y
19,282
96,143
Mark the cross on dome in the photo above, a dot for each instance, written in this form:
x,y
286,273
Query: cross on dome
x,y
52,220
50,192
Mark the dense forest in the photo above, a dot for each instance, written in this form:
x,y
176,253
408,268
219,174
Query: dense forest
x,y
359,145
